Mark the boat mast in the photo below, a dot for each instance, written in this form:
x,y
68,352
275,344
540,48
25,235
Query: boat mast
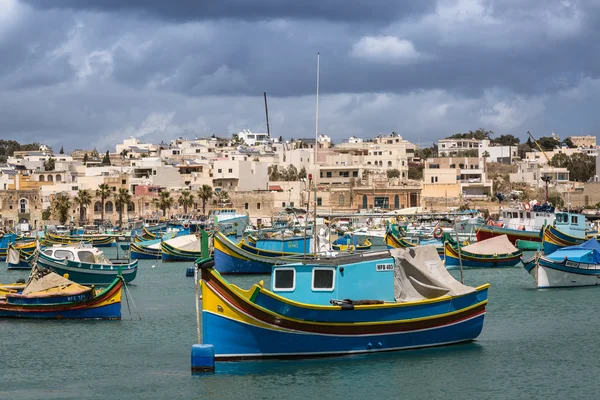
x,y
267,114
316,153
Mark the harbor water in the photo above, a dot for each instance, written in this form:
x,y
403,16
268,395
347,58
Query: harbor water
x,y
534,344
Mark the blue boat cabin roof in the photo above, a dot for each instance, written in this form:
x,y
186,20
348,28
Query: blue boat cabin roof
x,y
361,279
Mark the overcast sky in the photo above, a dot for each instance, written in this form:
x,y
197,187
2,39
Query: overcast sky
x,y
91,73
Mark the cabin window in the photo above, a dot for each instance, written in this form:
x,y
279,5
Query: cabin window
x,y
284,279
64,254
574,219
515,215
323,279
87,257
48,252
521,214
528,215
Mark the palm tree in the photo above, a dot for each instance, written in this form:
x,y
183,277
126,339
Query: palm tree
x,y
122,199
186,200
164,202
61,205
206,193
83,200
485,156
103,192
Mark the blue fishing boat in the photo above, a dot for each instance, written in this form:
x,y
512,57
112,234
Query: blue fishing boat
x,y
570,266
20,255
350,242
231,258
5,240
490,253
294,244
350,304
181,248
567,230
86,265
229,220
147,249
396,242
48,295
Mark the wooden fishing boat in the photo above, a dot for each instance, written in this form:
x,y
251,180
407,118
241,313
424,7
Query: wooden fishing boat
x,y
181,248
493,252
394,242
87,265
5,240
48,295
568,230
294,244
231,258
20,255
490,231
148,249
350,243
404,300
571,266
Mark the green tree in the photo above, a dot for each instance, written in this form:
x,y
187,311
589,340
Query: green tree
x,y
103,192
85,159
62,150
569,143
479,134
186,199
273,172
561,160
556,200
485,155
222,198
95,154
506,140
205,193
523,149
83,199
122,199
548,143
50,164
415,172
302,173
46,214
106,159
583,167
291,173
424,153
393,173
61,205
164,202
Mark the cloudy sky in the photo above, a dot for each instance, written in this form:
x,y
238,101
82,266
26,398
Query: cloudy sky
x,y
90,73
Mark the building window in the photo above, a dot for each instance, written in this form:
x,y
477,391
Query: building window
x,y
219,170
364,201
258,206
230,170
97,206
389,163
341,200
123,181
42,178
22,206
291,204
355,174
328,174
319,201
382,202
432,179
245,206
284,279
396,202
283,204
323,279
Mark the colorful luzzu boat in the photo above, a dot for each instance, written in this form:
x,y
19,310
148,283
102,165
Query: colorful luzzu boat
x,y
48,295
148,249
295,244
406,299
20,255
231,258
567,267
51,239
490,253
181,248
350,243
394,242
568,230
86,265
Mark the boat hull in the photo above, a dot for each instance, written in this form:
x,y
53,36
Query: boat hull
x,y
138,251
242,327
471,260
554,239
487,232
554,274
171,253
89,274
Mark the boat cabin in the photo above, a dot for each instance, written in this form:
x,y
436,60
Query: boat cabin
x,y
368,276
571,224
531,220
81,253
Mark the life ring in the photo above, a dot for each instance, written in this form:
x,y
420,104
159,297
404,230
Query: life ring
x,y
369,221
526,206
185,225
351,247
438,232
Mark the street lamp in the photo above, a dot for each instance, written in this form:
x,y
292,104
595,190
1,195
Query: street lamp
x,y
546,179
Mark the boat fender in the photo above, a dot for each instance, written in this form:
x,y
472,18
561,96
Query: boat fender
x,y
185,225
437,233
526,206
346,306
351,247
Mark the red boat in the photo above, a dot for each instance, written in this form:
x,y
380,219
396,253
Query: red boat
x,y
490,231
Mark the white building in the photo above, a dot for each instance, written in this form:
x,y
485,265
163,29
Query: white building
x,y
252,139
501,154
453,147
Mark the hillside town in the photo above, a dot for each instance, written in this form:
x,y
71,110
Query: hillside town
x,y
261,176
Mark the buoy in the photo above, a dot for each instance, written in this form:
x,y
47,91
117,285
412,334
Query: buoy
x,y
526,206
203,358
437,232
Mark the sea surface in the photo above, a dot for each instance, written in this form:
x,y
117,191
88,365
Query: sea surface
x,y
535,344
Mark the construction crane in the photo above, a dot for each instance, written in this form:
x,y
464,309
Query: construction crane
x,y
538,146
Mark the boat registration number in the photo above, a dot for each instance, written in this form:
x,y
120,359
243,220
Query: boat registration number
x,y
572,264
384,267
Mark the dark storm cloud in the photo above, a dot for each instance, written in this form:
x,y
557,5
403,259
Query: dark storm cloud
x,y
187,10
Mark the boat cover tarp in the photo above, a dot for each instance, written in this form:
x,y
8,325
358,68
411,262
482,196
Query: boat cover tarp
x,y
185,242
13,256
419,274
580,250
47,283
494,245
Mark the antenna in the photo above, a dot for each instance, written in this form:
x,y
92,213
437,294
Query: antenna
x,y
317,114
267,113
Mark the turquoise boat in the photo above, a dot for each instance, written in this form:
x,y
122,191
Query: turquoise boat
x,y
20,256
5,240
87,265
181,248
490,253
148,249
349,304
48,295
231,258
567,230
295,244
